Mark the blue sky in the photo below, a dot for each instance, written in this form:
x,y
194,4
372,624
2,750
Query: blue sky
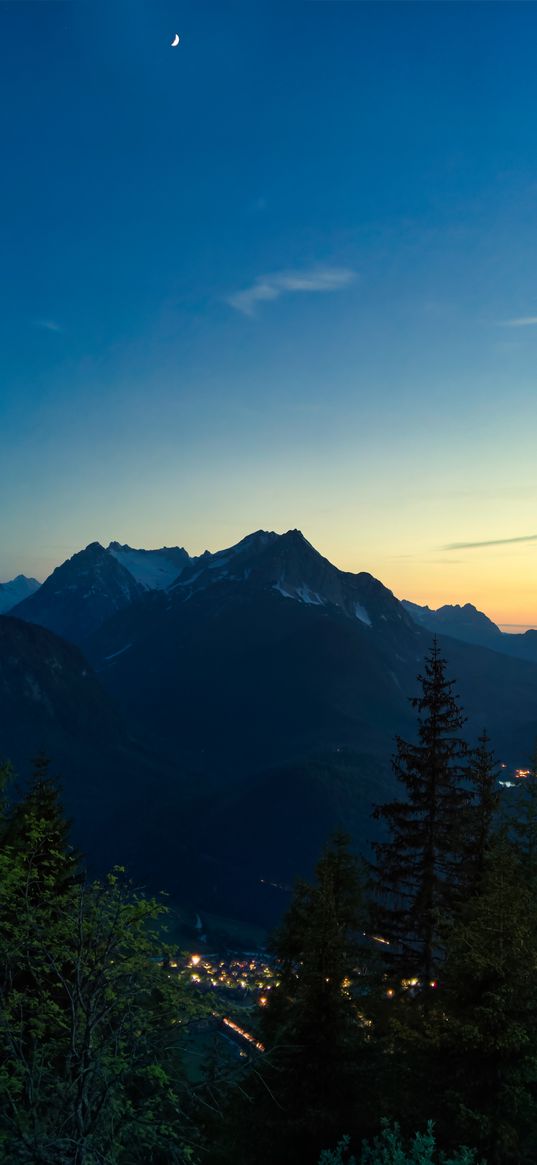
x,y
282,275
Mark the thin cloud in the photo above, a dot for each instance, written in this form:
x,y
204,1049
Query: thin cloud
x,y
49,325
521,322
492,542
269,287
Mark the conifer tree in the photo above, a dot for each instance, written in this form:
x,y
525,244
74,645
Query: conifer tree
x,y
482,777
320,947
312,1076
486,1018
525,822
36,826
418,868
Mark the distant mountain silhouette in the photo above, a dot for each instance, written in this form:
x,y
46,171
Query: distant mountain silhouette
x,y
472,626
15,591
466,623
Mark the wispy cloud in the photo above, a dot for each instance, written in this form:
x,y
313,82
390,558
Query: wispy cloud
x,y
521,322
49,325
492,542
268,287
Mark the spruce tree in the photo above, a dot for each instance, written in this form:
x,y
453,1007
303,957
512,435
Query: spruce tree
x,y
319,948
485,1026
314,1023
37,826
482,777
312,1079
525,822
419,867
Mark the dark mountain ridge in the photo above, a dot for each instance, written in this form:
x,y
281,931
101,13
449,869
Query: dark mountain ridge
x,y
52,703
80,594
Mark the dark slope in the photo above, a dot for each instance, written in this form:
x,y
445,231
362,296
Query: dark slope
x,y
256,836
52,702
523,646
80,594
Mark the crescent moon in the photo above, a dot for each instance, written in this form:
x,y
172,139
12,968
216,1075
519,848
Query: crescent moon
x,y
175,41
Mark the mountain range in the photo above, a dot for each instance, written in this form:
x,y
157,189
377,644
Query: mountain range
x,y
472,626
252,697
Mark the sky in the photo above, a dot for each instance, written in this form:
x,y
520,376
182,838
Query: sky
x,y
282,275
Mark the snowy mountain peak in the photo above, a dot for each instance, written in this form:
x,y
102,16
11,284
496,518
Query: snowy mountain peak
x,y
289,565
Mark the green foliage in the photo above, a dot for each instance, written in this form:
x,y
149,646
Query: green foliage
x,y
339,1155
389,1149
90,1024
486,1021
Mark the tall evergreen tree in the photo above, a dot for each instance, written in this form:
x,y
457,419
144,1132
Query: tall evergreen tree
x,y
525,822
482,811
417,869
319,948
36,826
311,1081
485,1024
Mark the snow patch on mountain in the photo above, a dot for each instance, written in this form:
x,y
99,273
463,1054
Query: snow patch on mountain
x,y
281,590
114,654
305,595
153,569
301,594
